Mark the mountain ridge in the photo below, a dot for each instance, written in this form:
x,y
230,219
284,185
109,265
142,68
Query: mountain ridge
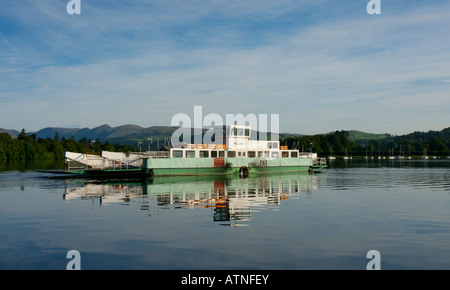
x,y
130,133
12,132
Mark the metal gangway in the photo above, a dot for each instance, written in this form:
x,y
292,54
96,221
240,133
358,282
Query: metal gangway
x,y
110,160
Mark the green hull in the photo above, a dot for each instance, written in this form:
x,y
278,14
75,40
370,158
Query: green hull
x,y
215,171
203,167
109,173
225,166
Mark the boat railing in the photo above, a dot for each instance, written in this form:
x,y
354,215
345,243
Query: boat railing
x,y
320,162
75,165
80,161
155,154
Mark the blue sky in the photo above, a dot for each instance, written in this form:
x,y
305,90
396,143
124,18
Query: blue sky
x,y
321,65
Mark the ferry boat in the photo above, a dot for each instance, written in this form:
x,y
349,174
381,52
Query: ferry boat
x,y
233,152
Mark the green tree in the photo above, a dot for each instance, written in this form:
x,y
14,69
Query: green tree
x,y
438,145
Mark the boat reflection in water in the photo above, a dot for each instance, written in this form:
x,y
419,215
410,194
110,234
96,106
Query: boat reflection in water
x,y
230,198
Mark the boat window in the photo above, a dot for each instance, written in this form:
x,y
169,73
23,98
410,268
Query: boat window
x,y
231,153
203,154
214,154
294,154
219,132
177,154
273,145
251,154
221,154
190,154
284,154
239,154
243,154
247,132
240,132
274,154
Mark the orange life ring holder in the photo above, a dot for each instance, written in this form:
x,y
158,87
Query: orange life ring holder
x,y
263,163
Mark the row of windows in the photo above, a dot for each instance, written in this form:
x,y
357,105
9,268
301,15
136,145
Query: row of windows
x,y
232,154
240,132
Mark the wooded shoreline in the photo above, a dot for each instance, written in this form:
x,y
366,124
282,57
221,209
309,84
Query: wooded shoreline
x,y
339,143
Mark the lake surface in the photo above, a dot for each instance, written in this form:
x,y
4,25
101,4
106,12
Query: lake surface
x,y
326,220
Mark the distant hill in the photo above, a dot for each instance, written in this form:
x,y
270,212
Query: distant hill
x,y
104,132
131,134
125,134
354,135
143,134
13,133
287,135
50,132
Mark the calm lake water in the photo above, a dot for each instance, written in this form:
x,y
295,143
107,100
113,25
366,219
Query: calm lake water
x,y
326,220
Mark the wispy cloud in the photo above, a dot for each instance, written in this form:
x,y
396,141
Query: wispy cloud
x,y
321,66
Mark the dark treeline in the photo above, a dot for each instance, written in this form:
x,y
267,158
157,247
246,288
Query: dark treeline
x,y
28,147
337,143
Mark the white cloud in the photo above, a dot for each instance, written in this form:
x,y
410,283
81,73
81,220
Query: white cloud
x,y
367,73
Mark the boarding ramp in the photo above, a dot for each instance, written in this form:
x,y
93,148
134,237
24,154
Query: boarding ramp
x,y
122,159
107,160
83,161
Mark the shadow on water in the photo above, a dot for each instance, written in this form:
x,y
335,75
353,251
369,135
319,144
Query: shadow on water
x,y
27,165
